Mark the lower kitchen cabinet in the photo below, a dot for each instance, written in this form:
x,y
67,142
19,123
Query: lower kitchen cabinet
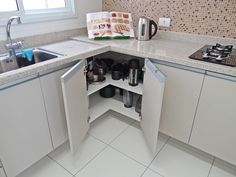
x,y
24,132
52,92
214,127
78,107
180,100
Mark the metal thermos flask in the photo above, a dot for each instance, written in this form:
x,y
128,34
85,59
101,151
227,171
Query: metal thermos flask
x,y
133,72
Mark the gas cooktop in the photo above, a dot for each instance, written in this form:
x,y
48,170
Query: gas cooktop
x,y
219,54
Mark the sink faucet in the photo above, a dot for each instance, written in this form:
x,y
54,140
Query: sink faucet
x,y
12,46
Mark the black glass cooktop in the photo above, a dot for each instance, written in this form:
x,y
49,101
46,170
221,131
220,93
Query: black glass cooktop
x,y
219,54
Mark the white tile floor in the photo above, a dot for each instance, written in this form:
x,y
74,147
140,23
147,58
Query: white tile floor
x,y
116,148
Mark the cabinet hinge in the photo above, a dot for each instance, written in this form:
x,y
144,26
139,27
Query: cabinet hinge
x,y
144,70
85,70
88,120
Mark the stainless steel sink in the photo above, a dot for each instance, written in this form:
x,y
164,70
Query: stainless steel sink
x,y
39,55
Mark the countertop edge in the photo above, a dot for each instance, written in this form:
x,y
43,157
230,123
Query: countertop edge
x,y
11,76
178,61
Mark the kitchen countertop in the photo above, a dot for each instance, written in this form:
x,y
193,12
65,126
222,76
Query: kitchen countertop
x,y
71,51
174,51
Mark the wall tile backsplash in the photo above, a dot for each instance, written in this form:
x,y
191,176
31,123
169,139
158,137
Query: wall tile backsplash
x,y
205,17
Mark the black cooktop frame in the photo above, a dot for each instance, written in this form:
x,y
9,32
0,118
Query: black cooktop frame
x,y
230,61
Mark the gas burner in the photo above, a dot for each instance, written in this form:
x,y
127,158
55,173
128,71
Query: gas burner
x,y
218,52
225,49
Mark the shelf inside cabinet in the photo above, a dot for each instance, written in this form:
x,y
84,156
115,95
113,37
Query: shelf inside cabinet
x,y
100,105
117,83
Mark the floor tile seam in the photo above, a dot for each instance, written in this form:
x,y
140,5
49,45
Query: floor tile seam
x,y
128,125
156,157
156,172
59,164
106,145
99,139
109,145
152,171
128,156
144,172
91,160
212,164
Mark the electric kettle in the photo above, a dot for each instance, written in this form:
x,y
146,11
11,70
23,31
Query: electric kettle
x,y
145,30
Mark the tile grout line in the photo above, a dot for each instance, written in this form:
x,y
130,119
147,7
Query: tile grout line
x,y
212,164
152,171
59,164
129,125
115,137
91,160
148,167
109,144
98,139
127,156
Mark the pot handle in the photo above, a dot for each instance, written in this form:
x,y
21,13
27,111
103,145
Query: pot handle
x,y
155,30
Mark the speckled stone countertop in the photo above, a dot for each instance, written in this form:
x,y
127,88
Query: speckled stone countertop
x,y
71,51
176,50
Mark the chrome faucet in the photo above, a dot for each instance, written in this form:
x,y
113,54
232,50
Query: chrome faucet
x,y
12,46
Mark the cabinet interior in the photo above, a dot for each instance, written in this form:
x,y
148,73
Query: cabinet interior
x,y
99,105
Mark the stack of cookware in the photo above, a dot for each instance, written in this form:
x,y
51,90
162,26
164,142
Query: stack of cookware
x,y
97,70
130,71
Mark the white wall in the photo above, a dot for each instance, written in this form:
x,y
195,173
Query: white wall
x,y
30,29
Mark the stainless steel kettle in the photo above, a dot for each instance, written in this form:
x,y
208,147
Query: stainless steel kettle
x,y
145,31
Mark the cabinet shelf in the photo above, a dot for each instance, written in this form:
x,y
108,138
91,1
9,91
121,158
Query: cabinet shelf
x,y
117,83
100,105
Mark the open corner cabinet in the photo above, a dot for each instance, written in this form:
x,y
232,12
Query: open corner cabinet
x,y
83,104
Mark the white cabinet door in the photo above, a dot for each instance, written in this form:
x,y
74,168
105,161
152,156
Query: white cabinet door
x,y
182,91
153,90
52,91
214,127
24,132
74,89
